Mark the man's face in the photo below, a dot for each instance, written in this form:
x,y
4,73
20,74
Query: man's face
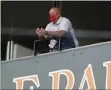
x,y
54,14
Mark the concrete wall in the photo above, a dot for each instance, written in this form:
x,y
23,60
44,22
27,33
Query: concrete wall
x,y
76,60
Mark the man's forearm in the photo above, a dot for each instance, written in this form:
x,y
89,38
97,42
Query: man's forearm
x,y
55,33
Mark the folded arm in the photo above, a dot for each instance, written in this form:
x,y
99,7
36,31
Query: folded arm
x,y
58,33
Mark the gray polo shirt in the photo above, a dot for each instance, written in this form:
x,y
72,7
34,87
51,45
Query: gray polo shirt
x,y
64,24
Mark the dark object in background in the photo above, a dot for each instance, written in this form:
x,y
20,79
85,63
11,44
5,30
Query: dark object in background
x,y
41,47
42,26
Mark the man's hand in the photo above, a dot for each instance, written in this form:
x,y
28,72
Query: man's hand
x,y
40,32
46,36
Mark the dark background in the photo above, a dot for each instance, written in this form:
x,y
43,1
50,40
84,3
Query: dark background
x,y
83,14
28,15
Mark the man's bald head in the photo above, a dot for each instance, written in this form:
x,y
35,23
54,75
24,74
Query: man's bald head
x,y
54,11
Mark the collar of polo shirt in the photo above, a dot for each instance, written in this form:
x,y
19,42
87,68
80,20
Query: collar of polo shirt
x,y
58,21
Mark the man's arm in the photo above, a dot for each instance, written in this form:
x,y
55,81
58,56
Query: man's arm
x,y
58,33
63,27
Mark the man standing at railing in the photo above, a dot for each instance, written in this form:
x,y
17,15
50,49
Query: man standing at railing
x,y
59,27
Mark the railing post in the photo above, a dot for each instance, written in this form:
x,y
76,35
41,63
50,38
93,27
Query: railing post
x,y
34,48
59,44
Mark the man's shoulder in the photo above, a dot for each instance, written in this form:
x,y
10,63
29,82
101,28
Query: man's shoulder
x,y
65,19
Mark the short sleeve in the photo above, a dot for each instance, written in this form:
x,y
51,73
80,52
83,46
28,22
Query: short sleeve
x,y
65,25
47,27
